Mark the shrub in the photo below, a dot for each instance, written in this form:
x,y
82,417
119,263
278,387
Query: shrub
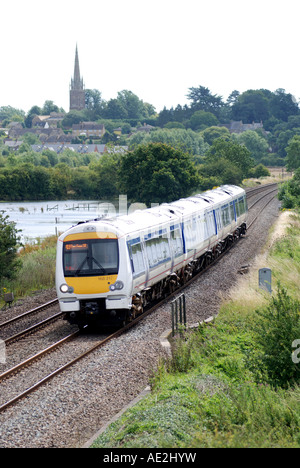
x,y
9,239
277,327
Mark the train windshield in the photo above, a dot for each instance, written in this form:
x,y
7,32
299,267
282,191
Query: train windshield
x,y
91,257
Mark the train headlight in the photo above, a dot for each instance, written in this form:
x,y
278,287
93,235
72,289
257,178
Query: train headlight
x,y
118,285
66,289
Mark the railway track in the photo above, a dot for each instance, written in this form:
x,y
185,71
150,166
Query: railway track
x,y
28,314
10,374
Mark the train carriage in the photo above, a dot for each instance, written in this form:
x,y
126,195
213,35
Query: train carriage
x,y
108,270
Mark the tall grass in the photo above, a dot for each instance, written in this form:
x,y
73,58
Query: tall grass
x,y
38,268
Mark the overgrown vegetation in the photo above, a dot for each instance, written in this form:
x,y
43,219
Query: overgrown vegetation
x,y
36,269
289,192
233,382
9,239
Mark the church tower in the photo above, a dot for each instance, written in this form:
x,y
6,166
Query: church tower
x,y
77,94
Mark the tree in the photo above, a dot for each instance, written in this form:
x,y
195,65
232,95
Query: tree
x,y
94,103
238,155
293,153
233,97
185,140
251,106
131,103
212,133
9,241
49,107
106,176
201,119
223,171
73,117
256,144
157,173
8,113
203,99
283,105
115,110
289,192
35,110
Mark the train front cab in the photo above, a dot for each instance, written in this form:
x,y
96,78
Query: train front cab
x,y
91,286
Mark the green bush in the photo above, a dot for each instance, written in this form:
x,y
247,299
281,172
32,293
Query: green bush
x,y
276,328
9,240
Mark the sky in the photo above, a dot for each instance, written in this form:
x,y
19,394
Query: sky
x,y
156,49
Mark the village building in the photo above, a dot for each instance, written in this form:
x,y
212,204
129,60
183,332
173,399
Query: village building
x,y
46,121
237,126
88,129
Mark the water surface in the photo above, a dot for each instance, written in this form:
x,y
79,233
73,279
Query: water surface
x,y
45,218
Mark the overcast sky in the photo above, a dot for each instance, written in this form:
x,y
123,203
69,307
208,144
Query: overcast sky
x,y
157,49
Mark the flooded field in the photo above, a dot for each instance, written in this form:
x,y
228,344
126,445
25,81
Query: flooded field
x,y
42,219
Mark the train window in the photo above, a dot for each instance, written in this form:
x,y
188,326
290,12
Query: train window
x,y
232,212
200,227
136,257
237,208
91,257
157,250
242,205
218,220
210,224
189,234
176,242
225,215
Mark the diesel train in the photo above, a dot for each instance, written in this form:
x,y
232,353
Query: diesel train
x,y
108,270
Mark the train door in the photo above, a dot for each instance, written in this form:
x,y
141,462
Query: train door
x,y
218,218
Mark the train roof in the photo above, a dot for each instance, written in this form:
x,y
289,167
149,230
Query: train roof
x,y
157,217
204,200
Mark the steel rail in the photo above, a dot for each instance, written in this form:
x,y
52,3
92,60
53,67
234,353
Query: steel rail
x,y
32,328
37,356
61,369
29,312
262,197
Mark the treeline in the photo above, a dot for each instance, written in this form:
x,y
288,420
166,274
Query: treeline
x,y
152,172
278,112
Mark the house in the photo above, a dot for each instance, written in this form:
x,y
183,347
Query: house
x,y
78,148
88,129
237,126
39,120
13,144
145,128
46,121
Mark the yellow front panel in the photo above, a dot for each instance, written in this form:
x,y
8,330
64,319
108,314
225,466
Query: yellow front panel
x,y
91,284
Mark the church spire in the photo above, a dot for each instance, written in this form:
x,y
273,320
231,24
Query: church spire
x,y
77,82
77,94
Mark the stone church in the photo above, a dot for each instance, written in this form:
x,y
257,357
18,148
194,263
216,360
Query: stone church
x,y
77,93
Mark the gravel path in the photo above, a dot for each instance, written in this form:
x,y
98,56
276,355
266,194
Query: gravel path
x,y
70,408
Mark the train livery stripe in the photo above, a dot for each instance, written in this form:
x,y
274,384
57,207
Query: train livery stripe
x,y
90,235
